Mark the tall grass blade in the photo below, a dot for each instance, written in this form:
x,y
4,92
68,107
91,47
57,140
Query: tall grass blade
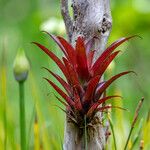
x,y
138,135
113,133
134,121
4,93
145,131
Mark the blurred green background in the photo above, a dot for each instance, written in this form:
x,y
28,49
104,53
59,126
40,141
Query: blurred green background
x,y
20,24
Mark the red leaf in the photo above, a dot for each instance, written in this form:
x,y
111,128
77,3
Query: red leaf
x,y
57,41
74,81
103,100
107,83
70,51
91,87
103,66
82,68
77,101
116,44
54,58
68,100
100,101
90,58
61,81
109,50
108,107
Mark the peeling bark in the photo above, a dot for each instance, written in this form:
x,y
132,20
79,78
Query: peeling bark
x,y
90,18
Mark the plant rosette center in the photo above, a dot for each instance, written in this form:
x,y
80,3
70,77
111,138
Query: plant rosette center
x,y
84,90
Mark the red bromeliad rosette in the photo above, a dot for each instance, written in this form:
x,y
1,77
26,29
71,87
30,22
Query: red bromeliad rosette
x,y
83,85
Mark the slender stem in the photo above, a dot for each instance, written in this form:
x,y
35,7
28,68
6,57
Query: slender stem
x,y
134,120
5,126
128,138
85,133
22,117
4,87
4,105
113,133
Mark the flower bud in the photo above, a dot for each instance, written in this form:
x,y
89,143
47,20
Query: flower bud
x,y
21,66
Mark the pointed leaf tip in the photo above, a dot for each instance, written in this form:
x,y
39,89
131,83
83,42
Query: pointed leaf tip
x,y
100,66
109,107
60,80
111,48
99,102
109,82
63,95
54,58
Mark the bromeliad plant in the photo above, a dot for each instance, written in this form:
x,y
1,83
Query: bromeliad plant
x,y
83,85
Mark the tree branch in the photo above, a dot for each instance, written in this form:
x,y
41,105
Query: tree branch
x,y
104,29
90,18
67,18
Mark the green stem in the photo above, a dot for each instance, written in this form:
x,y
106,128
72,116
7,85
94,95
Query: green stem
x,y
4,94
134,120
113,133
4,105
85,133
5,126
128,138
22,117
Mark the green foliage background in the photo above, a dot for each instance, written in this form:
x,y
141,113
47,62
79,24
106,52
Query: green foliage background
x,y
20,24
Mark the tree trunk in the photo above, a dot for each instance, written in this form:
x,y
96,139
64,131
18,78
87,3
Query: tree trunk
x,y
90,18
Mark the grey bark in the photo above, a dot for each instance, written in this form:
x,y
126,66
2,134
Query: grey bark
x,y
90,18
